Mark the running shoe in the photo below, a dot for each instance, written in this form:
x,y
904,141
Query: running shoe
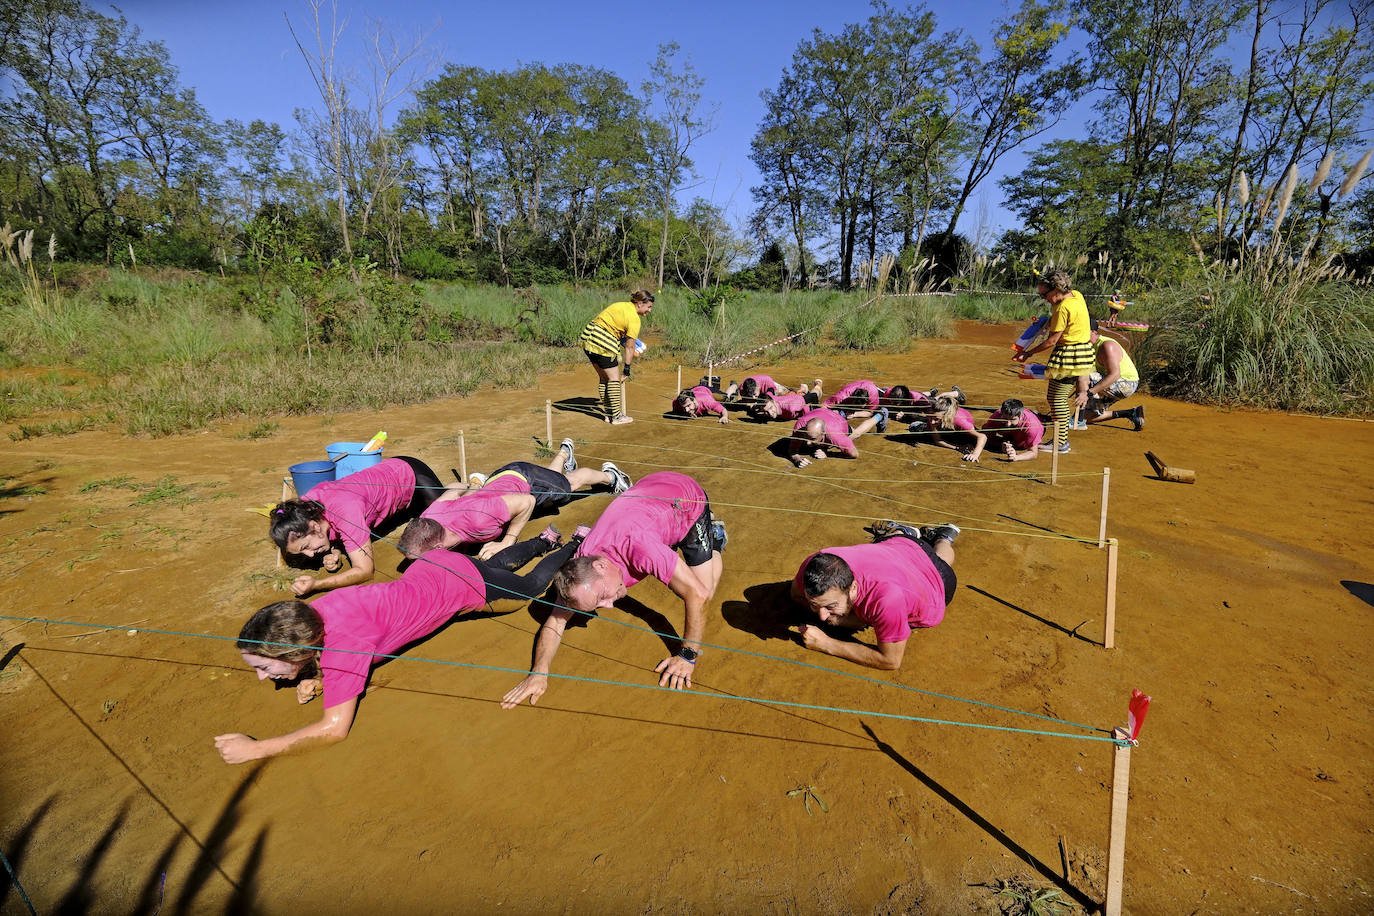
x,y
620,481
569,463
882,420
476,480
580,533
1138,418
887,528
1080,423
936,533
916,426
959,393
1049,447
718,534
552,536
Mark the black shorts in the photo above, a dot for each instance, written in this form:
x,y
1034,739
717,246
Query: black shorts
x,y
550,489
812,398
428,488
947,576
602,362
700,541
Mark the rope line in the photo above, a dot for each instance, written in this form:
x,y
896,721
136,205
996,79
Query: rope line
x,y
767,346
611,683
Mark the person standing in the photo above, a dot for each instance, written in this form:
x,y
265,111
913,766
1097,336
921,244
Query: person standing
x,y
1071,357
609,342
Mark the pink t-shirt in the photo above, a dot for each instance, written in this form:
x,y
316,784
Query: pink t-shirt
x,y
475,517
963,420
836,431
899,588
1025,433
506,482
640,526
790,406
363,500
379,619
766,385
862,386
705,400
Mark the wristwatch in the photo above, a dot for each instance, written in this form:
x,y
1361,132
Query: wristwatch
x,y
688,654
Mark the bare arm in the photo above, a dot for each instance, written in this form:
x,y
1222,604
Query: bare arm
x,y
360,571
675,671
1049,343
334,726
1111,358
887,656
981,442
521,507
546,644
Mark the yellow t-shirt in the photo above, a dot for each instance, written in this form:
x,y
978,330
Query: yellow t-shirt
x,y
1071,317
620,318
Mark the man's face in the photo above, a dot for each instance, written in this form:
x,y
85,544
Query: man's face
x,y
601,591
314,542
770,407
278,669
831,605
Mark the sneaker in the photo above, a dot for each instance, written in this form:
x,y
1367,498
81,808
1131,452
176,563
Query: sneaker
x,y
916,426
882,420
936,533
580,533
959,393
569,463
1138,418
621,420
476,480
552,536
718,534
620,481
1049,447
887,528
932,393
1079,424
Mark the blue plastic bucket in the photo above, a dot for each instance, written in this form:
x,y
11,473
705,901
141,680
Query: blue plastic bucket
x,y
308,473
354,458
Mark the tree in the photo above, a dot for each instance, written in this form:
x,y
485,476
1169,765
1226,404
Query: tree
x,y
679,124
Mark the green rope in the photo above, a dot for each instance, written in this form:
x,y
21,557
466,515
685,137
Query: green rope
x,y
604,682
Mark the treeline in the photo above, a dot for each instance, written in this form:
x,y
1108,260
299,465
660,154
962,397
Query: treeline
x,y
875,140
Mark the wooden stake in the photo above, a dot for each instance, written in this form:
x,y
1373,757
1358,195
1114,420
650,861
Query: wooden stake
x,y
548,422
1116,846
1102,527
679,381
1109,619
462,456
1054,456
286,487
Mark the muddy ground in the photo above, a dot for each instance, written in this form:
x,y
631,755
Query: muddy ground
x,y
1245,607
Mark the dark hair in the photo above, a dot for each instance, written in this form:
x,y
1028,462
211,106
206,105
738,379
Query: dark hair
x,y
750,388
825,571
420,537
899,396
289,630
641,295
680,402
1011,408
1057,279
292,518
573,573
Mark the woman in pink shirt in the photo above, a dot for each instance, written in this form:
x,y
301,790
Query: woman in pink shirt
x,y
329,647
952,427
340,516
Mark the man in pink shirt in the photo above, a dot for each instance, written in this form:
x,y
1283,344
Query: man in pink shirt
x,y
639,535
820,430
901,582
1015,430
495,514
699,401
330,646
784,405
861,395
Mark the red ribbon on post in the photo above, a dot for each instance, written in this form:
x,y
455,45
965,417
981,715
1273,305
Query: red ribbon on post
x,y
1135,716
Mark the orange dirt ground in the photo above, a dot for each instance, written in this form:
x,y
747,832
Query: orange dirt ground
x,y
1245,607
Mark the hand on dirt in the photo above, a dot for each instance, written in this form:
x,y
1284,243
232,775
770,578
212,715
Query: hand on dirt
x,y
675,672
532,686
812,637
801,461
725,418
971,457
236,748
308,689
303,585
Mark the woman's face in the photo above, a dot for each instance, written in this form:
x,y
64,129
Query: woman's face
x,y
643,308
278,669
313,543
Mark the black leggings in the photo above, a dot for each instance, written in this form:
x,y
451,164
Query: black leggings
x,y
501,580
427,487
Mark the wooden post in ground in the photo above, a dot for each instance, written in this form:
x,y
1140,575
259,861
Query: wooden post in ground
x,y
548,422
462,457
286,487
679,381
1054,456
1116,846
1102,527
1109,619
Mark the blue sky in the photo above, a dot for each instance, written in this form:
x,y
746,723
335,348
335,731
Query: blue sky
x,y
243,63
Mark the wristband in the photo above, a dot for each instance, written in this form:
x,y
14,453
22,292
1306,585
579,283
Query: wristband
x,y
689,655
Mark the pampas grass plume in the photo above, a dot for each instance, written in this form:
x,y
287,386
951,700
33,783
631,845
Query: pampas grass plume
x,y
1356,173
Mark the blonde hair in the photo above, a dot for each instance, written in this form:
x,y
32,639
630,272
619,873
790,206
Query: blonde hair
x,y
946,406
